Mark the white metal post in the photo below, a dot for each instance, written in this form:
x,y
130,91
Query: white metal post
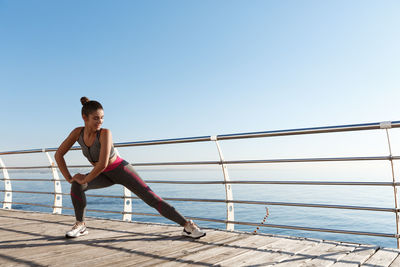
x,y
126,215
386,126
7,187
57,204
230,212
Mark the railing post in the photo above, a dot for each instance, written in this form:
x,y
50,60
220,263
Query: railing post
x,y
386,126
7,187
126,215
230,212
57,203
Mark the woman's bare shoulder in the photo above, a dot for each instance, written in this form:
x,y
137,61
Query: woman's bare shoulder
x,y
105,134
105,131
76,132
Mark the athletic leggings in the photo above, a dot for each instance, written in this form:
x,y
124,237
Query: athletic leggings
x,y
125,175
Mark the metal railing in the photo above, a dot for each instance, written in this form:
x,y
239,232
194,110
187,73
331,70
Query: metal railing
x,y
229,200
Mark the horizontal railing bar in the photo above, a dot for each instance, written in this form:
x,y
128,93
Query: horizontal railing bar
x,y
300,160
276,182
307,160
25,167
165,141
237,182
313,130
42,167
31,180
105,196
105,211
50,206
300,131
32,192
306,205
309,205
144,214
83,166
302,228
32,204
36,150
251,202
64,194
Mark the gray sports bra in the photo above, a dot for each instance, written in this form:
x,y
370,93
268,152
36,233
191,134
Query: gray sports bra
x,y
92,153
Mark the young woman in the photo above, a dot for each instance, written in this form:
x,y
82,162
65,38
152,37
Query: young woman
x,y
108,169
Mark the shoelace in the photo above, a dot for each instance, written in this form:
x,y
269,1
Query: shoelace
x,y
193,226
76,225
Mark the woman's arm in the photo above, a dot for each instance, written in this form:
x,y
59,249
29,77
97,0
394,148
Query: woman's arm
x,y
105,149
63,149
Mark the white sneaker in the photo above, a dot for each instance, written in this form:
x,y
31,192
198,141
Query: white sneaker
x,y
77,230
192,230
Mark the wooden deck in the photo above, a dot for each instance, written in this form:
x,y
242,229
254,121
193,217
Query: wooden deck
x,y
37,239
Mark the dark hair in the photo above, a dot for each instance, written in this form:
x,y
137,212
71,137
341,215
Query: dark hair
x,y
88,106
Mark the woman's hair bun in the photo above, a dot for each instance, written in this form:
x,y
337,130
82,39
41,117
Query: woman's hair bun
x,y
84,100
89,106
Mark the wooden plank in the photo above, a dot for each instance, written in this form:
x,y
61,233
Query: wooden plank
x,y
396,262
174,254
359,255
241,247
10,261
22,232
332,255
306,255
270,253
383,257
206,256
16,221
251,257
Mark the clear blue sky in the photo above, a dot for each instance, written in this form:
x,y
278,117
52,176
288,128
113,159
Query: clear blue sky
x,y
165,69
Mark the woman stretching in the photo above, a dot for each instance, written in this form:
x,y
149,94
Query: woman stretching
x,y
108,169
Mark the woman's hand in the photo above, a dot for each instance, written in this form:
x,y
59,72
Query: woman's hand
x,y
79,178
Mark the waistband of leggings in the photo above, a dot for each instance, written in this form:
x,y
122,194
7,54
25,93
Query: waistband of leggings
x,y
114,165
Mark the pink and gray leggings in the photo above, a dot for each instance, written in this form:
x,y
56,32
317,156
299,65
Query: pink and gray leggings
x,y
122,173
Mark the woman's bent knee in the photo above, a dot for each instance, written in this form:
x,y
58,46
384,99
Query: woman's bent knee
x,y
78,187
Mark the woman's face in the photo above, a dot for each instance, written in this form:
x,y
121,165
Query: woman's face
x,y
95,119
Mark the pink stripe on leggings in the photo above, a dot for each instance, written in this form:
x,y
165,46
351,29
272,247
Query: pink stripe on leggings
x,y
76,197
113,165
146,187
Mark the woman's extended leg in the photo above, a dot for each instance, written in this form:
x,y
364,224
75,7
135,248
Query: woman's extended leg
x,y
125,174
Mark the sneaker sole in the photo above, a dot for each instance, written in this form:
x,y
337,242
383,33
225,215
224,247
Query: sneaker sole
x,y
78,235
194,237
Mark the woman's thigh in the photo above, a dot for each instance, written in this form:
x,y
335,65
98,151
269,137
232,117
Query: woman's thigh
x,y
101,181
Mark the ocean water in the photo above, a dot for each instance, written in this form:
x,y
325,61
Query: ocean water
x,y
369,221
